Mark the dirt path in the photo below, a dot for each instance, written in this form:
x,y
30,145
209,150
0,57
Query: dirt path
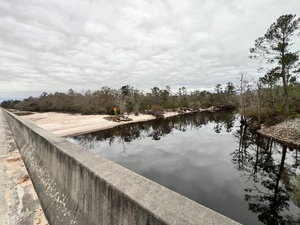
x,y
19,202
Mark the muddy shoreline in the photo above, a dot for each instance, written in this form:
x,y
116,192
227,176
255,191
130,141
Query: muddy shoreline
x,y
287,132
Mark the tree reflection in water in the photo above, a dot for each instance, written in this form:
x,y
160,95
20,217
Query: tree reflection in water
x,y
157,129
264,163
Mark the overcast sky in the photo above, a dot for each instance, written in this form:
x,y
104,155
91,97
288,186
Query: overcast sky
x,y
55,45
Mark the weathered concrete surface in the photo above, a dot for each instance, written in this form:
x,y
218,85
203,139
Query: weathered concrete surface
x,y
19,203
76,186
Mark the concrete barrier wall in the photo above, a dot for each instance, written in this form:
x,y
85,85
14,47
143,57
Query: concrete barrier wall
x,y
76,186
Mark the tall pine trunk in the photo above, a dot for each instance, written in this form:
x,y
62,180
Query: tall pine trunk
x,y
286,97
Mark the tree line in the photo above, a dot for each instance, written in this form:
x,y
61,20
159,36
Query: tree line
x,y
127,99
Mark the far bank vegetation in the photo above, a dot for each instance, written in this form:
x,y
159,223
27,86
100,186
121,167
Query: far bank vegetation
x,y
255,100
128,99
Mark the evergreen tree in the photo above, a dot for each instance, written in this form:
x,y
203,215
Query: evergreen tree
x,y
275,48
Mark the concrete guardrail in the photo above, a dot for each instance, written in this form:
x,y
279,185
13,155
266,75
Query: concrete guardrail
x,y
76,186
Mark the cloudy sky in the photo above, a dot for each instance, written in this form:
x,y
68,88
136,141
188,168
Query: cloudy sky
x,y
55,45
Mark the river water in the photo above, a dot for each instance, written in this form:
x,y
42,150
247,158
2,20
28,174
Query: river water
x,y
208,158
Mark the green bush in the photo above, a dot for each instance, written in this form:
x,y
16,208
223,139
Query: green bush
x,y
267,115
157,110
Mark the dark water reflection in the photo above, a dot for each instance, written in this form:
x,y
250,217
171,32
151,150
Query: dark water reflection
x,y
209,159
273,170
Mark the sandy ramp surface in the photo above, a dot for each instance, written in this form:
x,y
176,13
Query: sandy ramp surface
x,y
63,124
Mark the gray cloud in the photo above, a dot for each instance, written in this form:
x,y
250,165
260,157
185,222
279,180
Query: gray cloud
x,y
56,45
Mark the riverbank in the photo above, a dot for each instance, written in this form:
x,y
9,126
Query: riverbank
x,y
287,132
64,124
